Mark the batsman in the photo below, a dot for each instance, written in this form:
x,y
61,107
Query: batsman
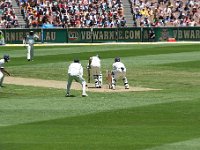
x,y
94,70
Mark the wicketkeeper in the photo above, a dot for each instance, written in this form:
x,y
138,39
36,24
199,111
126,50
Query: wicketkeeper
x,y
119,72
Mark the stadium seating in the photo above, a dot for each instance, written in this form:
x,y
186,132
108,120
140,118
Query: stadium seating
x,y
8,17
101,13
159,13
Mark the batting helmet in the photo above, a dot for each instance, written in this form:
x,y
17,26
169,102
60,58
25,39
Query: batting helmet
x,y
6,57
76,60
117,59
31,32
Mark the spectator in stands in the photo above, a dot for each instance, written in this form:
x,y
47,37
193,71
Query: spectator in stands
x,y
166,13
69,13
102,13
8,17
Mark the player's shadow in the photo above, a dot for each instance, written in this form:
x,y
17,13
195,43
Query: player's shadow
x,y
70,96
92,87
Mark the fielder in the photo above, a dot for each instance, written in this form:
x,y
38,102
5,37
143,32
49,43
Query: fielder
x,y
2,41
29,42
6,58
94,70
119,72
75,72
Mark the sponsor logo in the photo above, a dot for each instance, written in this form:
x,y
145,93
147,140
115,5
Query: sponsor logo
x,y
164,35
73,35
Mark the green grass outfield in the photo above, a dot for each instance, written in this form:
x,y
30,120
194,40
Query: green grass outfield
x,y
36,118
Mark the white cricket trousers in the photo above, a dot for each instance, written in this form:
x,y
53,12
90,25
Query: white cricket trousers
x,y
1,78
78,79
30,52
119,75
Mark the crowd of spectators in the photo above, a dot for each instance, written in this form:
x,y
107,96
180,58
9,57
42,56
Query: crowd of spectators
x,y
100,13
73,13
8,18
159,13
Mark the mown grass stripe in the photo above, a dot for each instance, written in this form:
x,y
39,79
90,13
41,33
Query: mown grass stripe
x,y
138,128
192,144
103,54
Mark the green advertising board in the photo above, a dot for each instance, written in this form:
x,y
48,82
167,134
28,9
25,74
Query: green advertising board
x,y
100,35
97,35
54,35
129,34
16,36
79,35
145,34
163,33
186,33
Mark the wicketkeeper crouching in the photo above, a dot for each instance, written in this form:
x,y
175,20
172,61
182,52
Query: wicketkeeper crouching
x,y
119,72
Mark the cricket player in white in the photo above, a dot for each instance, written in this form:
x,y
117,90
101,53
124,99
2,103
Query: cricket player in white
x,y
6,58
119,72
75,72
2,40
94,67
30,40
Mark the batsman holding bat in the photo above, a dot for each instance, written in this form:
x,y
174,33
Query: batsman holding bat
x,y
94,70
